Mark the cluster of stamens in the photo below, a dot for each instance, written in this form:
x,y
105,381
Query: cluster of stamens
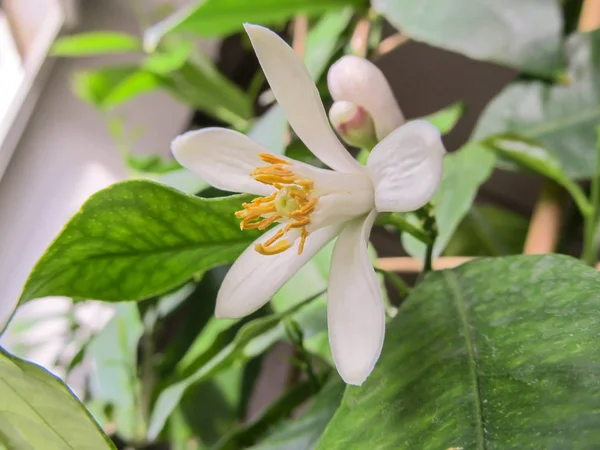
x,y
291,202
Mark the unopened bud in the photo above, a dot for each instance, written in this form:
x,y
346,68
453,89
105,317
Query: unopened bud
x,y
359,81
354,124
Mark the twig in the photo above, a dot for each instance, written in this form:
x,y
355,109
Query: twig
x,y
360,38
390,43
406,264
300,32
589,18
544,227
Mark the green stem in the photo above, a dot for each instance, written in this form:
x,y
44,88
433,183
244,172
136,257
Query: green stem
x,y
396,281
591,218
405,226
426,214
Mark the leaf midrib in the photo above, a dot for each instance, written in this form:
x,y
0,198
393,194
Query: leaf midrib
x,y
556,125
459,301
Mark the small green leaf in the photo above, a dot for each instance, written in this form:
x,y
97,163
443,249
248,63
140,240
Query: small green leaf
x,y
492,30
563,117
168,60
445,119
154,164
216,18
497,353
96,42
138,239
464,171
112,86
37,410
531,156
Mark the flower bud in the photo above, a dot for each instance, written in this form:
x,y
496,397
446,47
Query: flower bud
x,y
354,124
359,81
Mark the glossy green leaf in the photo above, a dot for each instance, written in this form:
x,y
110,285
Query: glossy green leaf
x,y
138,239
464,171
446,119
524,34
497,353
37,410
563,117
489,231
303,433
112,86
216,18
530,155
96,42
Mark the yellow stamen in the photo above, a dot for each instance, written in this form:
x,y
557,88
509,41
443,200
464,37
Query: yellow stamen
x,y
292,200
279,247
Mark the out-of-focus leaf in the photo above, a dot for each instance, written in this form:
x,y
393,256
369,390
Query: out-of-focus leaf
x,y
166,61
531,156
489,231
304,432
252,339
199,84
323,39
138,239
110,87
114,380
37,410
464,171
154,164
445,120
216,18
497,353
498,31
94,43
563,117
270,130
281,408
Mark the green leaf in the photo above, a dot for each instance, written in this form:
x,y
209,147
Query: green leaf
x,y
37,410
497,353
489,231
112,86
497,31
138,239
464,171
562,117
252,339
216,18
154,164
530,155
96,42
169,59
302,433
114,380
323,40
445,119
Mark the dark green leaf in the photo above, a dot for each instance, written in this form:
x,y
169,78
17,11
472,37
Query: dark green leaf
x,y
138,239
303,432
215,18
498,353
525,34
562,117
445,120
530,155
489,231
464,171
96,42
37,410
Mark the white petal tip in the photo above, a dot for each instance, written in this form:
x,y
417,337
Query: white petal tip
x,y
224,311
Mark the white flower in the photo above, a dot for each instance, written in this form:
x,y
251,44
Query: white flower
x,y
311,206
357,80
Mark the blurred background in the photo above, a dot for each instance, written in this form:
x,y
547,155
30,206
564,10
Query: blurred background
x,y
56,150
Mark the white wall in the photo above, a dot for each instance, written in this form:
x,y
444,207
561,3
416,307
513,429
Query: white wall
x,y
65,155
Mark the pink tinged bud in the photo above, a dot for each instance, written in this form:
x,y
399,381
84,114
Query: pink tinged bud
x,y
354,124
359,81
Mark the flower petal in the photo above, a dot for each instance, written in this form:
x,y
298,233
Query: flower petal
x,y
359,81
254,278
355,311
223,158
298,96
406,167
